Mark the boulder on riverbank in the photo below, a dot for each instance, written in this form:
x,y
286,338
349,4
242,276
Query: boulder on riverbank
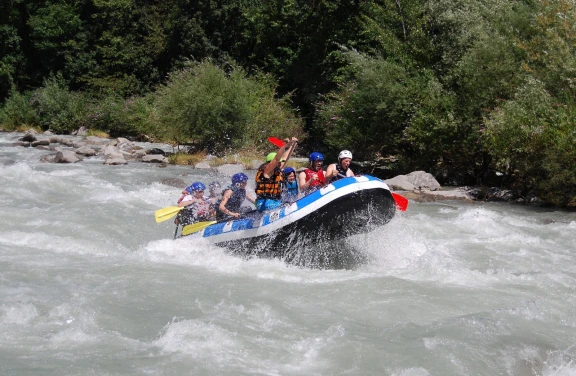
x,y
71,148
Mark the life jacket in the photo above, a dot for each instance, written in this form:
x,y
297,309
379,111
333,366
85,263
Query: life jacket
x,y
316,183
196,212
290,191
341,172
269,188
235,201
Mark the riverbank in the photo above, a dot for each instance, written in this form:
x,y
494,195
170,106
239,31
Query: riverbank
x,y
418,185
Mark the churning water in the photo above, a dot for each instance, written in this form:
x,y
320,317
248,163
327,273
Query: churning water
x,y
91,285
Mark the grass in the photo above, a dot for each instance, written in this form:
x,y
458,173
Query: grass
x,y
186,159
244,157
97,133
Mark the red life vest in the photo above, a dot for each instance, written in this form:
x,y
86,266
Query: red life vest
x,y
316,183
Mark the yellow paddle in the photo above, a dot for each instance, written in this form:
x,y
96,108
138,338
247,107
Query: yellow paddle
x,y
166,213
195,227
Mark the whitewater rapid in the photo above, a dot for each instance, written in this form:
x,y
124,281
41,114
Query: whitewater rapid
x,y
91,285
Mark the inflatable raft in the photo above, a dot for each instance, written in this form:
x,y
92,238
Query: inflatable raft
x,y
310,230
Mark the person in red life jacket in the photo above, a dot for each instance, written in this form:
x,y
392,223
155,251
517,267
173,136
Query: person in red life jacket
x,y
340,170
196,205
233,197
313,177
270,178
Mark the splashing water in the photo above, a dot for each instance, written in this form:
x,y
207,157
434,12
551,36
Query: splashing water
x,y
90,284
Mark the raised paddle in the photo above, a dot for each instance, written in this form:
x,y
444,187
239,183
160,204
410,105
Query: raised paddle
x,y
276,141
195,227
166,213
401,201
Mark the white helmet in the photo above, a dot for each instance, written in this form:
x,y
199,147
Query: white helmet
x,y
345,154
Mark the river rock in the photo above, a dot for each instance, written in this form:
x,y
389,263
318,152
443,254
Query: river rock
x,y
154,158
67,141
21,143
48,158
174,182
29,137
202,166
400,183
66,156
85,150
122,140
115,161
82,131
414,180
256,163
40,142
156,151
96,140
139,153
54,139
230,169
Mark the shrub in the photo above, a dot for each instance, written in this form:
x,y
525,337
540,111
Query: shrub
x,y
120,117
532,140
60,110
17,111
221,109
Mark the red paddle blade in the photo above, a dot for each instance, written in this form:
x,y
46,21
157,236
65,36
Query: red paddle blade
x,y
276,141
401,202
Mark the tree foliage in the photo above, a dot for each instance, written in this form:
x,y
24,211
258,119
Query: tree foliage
x,y
221,109
445,85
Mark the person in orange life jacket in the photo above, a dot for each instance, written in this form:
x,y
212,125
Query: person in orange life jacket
x,y
312,177
290,188
196,205
270,178
233,197
340,170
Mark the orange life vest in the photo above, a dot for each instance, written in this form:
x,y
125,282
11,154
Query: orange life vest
x,y
271,187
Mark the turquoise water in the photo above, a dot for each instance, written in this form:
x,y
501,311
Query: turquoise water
x,y
91,285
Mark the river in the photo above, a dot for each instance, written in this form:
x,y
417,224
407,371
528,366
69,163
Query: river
x,y
91,285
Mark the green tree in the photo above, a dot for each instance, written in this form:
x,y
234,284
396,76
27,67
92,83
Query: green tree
x,y
221,109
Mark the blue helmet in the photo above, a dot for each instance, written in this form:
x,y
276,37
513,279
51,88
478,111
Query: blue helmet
x,y
239,178
195,187
288,171
316,157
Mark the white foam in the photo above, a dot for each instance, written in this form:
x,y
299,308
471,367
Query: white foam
x,y
59,244
19,313
560,363
200,341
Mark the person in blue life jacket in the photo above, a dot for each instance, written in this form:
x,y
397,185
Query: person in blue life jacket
x,y
290,188
196,205
270,178
232,198
340,170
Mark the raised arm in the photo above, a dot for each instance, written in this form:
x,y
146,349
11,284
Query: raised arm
x,y
269,169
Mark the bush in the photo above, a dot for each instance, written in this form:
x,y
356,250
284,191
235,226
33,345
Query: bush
x,y
533,142
120,117
58,109
221,110
17,111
